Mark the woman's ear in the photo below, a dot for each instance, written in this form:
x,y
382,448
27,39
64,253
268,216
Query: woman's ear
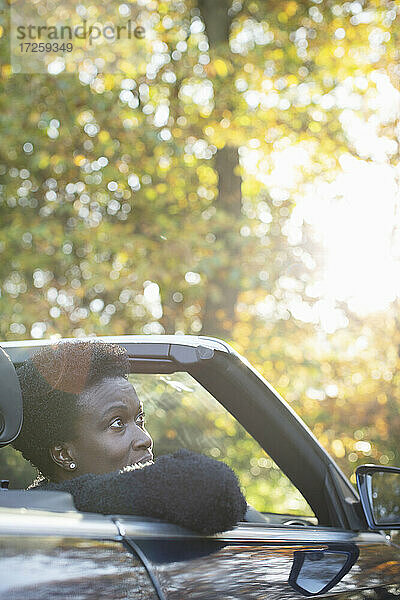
x,y
61,455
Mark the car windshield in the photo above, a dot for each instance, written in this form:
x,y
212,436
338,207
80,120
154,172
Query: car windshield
x,y
180,413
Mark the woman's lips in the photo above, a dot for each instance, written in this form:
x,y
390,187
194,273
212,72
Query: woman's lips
x,y
145,458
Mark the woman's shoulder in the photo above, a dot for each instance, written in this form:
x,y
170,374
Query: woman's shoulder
x,y
69,485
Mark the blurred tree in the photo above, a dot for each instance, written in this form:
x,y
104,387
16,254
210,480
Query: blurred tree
x,y
100,158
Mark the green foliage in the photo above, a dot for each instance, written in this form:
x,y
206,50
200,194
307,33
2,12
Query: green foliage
x,y
15,469
180,413
112,223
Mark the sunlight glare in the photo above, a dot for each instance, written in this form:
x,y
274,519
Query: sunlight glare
x,y
356,218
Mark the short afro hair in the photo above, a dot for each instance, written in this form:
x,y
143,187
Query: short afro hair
x,y
51,382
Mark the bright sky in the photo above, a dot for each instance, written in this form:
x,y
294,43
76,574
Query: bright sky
x,y
356,217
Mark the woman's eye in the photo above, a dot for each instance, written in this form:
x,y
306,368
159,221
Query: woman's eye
x,y
117,424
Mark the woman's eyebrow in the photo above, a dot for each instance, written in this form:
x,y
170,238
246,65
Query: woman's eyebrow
x,y
122,406
113,408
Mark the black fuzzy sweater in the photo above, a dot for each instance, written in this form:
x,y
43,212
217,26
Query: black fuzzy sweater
x,y
184,488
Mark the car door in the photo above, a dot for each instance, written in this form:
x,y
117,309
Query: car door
x,y
254,562
46,555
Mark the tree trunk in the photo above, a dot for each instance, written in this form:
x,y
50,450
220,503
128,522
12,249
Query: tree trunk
x,y
222,283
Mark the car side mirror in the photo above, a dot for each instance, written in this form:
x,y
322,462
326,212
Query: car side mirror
x,y
379,489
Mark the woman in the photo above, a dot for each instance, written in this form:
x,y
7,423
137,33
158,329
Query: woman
x,y
84,431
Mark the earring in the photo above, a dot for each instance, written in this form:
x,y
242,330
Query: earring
x,y
72,466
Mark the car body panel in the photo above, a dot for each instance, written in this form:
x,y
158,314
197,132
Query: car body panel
x,y
252,570
51,567
249,562
38,522
253,560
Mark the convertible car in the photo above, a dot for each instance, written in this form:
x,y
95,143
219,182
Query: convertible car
x,y
325,541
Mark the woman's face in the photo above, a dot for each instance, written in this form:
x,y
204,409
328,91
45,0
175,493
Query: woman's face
x,y
110,429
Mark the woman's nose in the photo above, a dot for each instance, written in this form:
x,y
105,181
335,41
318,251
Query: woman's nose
x,y
142,439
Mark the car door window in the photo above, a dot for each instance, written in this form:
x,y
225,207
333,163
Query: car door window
x,y
180,413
